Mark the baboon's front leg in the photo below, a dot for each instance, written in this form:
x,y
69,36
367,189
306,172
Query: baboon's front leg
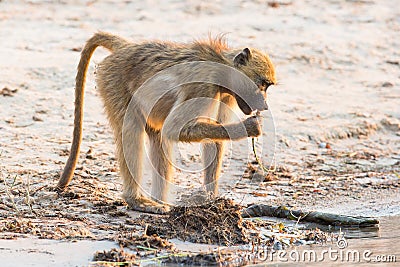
x,y
212,159
213,152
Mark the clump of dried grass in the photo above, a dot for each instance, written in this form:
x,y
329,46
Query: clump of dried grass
x,y
217,221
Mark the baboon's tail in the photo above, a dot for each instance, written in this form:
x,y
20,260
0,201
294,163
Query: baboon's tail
x,y
112,43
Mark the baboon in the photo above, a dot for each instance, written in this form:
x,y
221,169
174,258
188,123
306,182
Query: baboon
x,y
120,75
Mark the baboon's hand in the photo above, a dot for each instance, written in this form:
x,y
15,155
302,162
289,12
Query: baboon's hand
x,y
253,127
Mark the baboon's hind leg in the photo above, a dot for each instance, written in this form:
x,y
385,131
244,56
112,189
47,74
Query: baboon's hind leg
x,y
160,156
130,152
131,165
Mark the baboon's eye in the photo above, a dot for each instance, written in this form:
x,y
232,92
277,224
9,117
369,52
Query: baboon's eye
x,y
264,85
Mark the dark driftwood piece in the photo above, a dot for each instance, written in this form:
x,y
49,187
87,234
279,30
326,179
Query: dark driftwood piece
x,y
259,210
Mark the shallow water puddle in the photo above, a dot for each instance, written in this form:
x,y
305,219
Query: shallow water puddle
x,y
44,252
362,246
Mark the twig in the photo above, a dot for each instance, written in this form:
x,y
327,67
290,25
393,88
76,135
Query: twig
x,y
28,196
113,263
298,217
263,168
38,189
147,248
8,189
165,256
23,126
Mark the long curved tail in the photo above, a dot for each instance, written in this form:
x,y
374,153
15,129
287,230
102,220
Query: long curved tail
x,y
112,43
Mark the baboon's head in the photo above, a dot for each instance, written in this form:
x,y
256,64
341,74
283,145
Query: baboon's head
x,y
259,68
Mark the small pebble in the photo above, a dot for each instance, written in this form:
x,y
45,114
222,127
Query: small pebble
x,y
324,145
387,84
36,118
278,245
328,146
299,242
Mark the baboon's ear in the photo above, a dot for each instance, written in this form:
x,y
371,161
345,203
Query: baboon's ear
x,y
242,58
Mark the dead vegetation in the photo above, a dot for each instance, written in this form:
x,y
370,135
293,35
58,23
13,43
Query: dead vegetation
x,y
216,258
214,222
58,229
129,239
8,92
117,256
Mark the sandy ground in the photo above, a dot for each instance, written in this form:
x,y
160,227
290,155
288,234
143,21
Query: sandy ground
x,y
337,63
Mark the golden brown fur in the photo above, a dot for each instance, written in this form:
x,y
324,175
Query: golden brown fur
x,y
127,67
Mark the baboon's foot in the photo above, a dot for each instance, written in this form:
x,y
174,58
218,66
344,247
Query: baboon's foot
x,y
147,205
